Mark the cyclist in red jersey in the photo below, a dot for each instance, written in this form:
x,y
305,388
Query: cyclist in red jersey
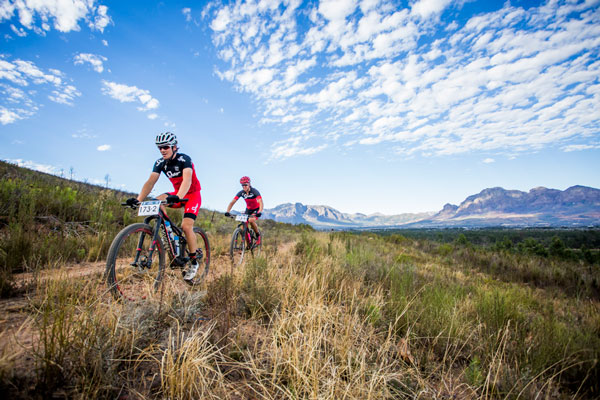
x,y
178,167
254,204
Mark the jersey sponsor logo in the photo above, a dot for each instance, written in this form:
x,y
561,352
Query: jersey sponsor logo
x,y
171,174
181,158
195,208
158,162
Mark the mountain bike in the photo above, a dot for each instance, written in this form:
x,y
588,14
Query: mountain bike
x,y
243,239
135,264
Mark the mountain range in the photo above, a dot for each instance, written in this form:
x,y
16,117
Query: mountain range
x,y
577,206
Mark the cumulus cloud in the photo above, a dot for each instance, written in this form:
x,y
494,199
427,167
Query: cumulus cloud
x,y
96,61
8,116
129,94
104,147
64,15
489,160
426,8
100,19
23,82
187,13
365,73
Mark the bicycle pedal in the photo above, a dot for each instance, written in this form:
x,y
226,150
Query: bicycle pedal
x,y
182,260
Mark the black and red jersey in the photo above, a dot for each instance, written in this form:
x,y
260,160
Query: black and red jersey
x,y
251,198
173,169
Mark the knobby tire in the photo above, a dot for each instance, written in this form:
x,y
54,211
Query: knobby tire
x,y
204,245
237,247
134,283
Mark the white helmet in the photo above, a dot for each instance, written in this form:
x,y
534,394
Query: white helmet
x,y
166,139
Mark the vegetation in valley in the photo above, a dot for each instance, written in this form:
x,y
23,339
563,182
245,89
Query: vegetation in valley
x,y
319,315
562,243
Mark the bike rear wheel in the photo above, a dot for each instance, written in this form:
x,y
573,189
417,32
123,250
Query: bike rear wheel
x,y
204,261
237,247
130,274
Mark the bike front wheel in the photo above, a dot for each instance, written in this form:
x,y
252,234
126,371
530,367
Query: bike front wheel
x,y
237,247
135,263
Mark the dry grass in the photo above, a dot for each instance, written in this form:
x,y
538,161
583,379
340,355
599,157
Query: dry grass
x,y
325,317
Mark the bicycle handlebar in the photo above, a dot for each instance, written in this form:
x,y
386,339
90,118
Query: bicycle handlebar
x,y
235,215
232,216
182,201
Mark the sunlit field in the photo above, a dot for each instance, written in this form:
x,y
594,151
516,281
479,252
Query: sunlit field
x,y
319,315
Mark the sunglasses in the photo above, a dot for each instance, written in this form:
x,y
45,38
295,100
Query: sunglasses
x,y
164,147
244,184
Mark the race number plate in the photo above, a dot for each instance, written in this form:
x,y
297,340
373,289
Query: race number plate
x,y
241,217
149,207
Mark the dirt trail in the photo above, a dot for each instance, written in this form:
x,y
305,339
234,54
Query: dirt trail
x,y
15,316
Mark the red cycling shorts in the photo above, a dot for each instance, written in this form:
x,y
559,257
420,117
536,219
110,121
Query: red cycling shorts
x,y
192,206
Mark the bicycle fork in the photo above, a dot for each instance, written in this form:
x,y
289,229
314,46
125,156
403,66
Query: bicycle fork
x,y
146,261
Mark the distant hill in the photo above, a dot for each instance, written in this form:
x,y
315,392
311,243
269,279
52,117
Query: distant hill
x,y
327,217
577,206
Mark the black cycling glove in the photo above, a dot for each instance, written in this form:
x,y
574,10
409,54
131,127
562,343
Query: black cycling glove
x,y
132,202
227,214
258,214
173,198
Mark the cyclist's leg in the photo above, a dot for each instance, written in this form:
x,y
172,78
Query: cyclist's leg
x,y
189,217
253,224
187,226
252,220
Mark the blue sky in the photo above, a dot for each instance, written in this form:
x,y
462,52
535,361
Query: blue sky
x,y
365,106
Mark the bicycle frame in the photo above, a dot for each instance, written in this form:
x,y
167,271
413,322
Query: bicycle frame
x,y
246,232
160,223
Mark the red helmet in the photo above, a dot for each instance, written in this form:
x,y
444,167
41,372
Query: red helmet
x,y
244,179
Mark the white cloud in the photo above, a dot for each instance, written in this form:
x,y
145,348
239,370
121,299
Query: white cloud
x,y
372,72
187,13
294,146
336,10
580,147
105,42
49,169
18,31
65,96
23,83
128,94
104,147
101,19
8,116
96,61
425,8
489,160
64,14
